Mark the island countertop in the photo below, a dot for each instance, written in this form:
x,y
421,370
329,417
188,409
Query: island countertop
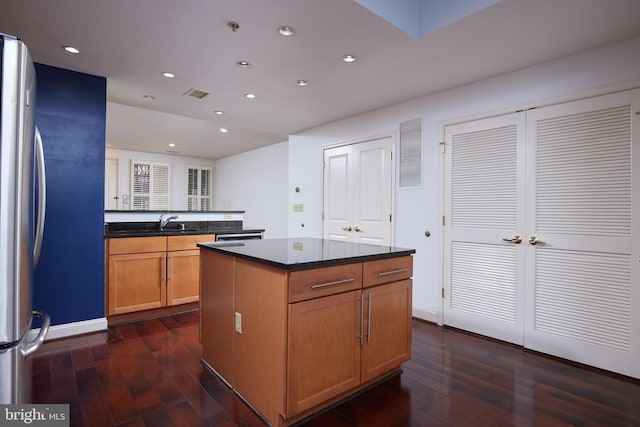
x,y
305,253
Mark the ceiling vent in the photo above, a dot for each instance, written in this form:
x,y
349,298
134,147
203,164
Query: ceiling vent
x,y
196,93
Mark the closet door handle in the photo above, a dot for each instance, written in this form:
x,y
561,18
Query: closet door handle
x,y
515,239
534,241
349,228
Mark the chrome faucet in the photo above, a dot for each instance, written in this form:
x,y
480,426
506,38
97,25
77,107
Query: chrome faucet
x,y
165,221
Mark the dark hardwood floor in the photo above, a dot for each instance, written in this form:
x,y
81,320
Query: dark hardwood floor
x,y
149,374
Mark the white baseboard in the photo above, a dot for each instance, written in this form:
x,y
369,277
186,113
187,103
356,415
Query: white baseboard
x,y
425,314
70,329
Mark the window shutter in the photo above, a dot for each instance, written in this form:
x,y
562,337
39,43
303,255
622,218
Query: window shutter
x,y
149,185
198,189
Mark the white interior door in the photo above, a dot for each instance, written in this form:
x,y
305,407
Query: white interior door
x,y
358,183
111,185
582,278
484,205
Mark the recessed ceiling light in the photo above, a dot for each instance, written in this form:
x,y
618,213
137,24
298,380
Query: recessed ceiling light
x,y
224,130
218,112
171,144
168,75
249,95
243,64
71,49
149,97
302,83
286,30
349,58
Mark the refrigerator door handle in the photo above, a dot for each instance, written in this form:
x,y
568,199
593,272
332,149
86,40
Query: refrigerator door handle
x,y
42,198
32,346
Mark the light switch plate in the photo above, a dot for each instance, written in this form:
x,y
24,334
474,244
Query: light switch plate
x,y
238,322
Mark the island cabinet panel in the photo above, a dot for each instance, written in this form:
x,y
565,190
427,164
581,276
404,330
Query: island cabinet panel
x,y
387,328
217,313
292,341
260,339
387,270
136,282
324,349
318,282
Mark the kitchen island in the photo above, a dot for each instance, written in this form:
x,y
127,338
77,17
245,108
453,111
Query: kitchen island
x,y
294,326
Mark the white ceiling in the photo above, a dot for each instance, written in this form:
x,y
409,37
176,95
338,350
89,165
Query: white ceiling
x,y
131,42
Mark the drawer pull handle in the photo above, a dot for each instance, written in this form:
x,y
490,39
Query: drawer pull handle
x,y
386,273
337,282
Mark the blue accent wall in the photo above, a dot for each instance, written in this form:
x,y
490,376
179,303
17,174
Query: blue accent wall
x,y
71,116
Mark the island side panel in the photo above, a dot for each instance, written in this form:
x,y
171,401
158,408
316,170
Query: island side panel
x,y
260,347
216,312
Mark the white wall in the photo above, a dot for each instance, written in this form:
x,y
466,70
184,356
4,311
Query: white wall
x,y
256,182
179,165
598,71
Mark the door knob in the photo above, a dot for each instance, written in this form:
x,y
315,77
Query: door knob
x,y
347,228
534,241
515,239
357,229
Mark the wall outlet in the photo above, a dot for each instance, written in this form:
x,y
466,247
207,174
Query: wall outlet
x,y
238,322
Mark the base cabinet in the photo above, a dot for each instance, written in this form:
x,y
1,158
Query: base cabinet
x,y
152,272
290,343
324,349
136,282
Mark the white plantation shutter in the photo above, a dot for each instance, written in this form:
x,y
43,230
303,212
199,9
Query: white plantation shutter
x,y
198,188
149,185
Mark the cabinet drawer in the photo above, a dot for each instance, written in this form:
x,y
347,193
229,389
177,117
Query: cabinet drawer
x,y
134,245
184,243
319,282
387,270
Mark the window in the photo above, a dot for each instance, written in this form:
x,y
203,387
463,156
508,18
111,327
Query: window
x,y
199,189
149,185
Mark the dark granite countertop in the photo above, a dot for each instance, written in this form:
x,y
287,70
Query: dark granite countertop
x,y
150,229
305,253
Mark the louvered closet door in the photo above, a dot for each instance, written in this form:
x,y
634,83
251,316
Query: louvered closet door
x,y
582,274
484,204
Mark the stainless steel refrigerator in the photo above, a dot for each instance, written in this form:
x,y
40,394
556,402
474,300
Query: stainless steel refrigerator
x,y
22,205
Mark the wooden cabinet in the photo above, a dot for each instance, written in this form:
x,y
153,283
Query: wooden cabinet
x,y
291,343
152,272
355,336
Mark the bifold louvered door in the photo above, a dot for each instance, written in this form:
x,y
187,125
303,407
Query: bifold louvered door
x,y
539,228
582,272
484,204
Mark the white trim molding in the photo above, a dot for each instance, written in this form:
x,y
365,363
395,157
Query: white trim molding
x,y
70,329
426,314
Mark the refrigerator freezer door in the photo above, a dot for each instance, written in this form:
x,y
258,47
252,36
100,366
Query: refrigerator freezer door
x,y
17,226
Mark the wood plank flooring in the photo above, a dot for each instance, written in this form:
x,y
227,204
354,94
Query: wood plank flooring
x,y
149,374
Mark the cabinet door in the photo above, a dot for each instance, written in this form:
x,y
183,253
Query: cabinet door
x,y
387,328
183,277
136,282
323,349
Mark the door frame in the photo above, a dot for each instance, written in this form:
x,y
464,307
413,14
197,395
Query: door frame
x,y
394,149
